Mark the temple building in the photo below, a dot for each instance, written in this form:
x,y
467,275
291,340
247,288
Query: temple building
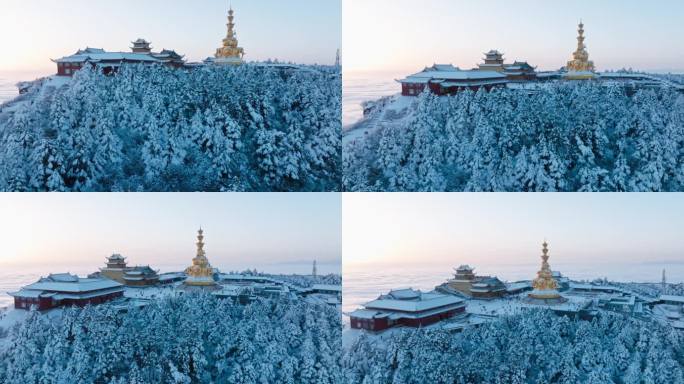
x,y
520,71
545,286
487,287
493,61
517,72
230,53
109,62
64,289
141,276
138,276
466,283
115,269
445,79
580,67
406,307
200,275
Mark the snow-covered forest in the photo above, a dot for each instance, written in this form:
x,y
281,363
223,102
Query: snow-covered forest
x,y
532,347
564,137
308,280
151,128
190,339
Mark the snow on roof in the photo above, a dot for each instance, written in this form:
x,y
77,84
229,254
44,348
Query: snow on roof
x,y
405,294
62,296
512,287
623,75
425,302
442,67
63,277
488,281
426,76
141,270
66,283
677,299
367,314
518,65
327,287
548,74
244,277
580,73
106,56
90,50
447,84
25,293
593,287
332,301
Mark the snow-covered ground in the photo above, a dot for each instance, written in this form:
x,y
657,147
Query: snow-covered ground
x,y
388,111
40,88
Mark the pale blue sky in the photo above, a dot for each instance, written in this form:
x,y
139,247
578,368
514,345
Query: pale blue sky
x,y
499,228
401,35
255,230
33,31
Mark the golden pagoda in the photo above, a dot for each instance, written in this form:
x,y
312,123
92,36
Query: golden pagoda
x,y
200,273
229,53
580,67
545,286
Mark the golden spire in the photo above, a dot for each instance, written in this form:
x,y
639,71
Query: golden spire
x,y
200,244
230,53
580,58
200,272
545,286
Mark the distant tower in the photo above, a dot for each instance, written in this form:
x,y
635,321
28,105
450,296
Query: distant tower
x,y
230,53
664,284
200,273
337,59
580,59
315,272
545,286
493,61
141,46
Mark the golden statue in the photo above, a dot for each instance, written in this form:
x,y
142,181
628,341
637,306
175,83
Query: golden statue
x,y
200,273
545,286
580,67
230,53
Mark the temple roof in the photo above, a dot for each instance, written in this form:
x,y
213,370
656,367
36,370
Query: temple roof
x,y
442,67
65,282
168,53
426,76
327,287
424,302
89,50
106,56
141,271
